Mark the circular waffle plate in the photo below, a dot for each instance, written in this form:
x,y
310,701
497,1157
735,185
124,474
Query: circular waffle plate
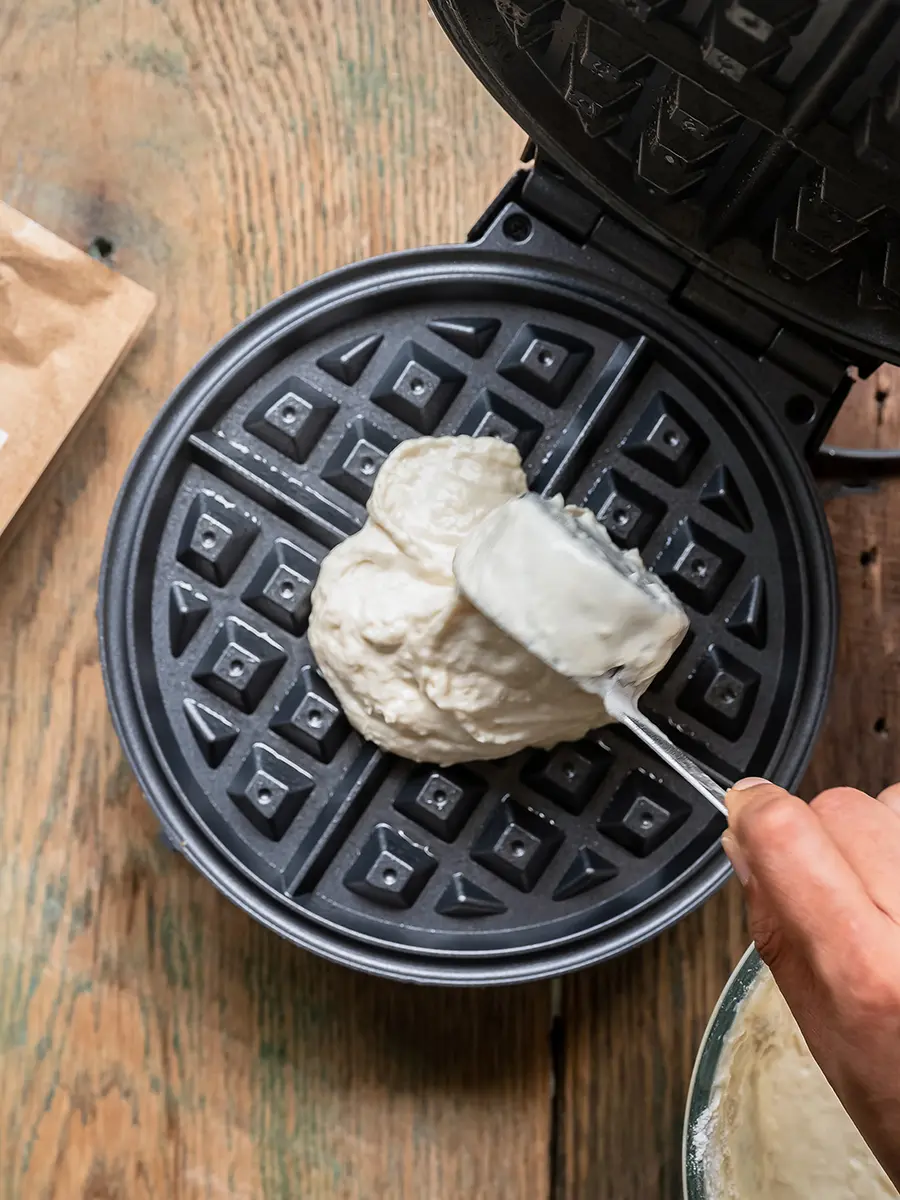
x,y
263,460
758,140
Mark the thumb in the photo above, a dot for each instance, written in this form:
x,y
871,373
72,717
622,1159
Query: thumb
x,y
794,872
763,821
744,801
755,792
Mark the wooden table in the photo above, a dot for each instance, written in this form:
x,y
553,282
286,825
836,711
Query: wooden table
x,y
157,1043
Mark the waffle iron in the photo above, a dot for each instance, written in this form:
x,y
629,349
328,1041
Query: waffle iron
x,y
659,312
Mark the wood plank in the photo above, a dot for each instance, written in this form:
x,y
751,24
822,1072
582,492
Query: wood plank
x,y
156,1041
630,1030
859,744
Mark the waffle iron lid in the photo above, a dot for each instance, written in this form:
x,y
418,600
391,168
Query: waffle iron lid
x,y
759,140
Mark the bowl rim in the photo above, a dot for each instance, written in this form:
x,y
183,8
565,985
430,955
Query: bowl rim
x,y
718,1027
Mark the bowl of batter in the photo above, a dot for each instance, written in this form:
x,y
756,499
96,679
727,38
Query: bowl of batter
x,y
762,1122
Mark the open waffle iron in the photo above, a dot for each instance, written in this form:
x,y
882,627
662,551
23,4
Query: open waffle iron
x,y
659,312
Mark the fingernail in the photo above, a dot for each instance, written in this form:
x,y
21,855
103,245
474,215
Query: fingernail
x,y
735,802
736,858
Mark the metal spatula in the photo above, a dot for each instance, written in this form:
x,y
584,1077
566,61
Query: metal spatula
x,y
531,567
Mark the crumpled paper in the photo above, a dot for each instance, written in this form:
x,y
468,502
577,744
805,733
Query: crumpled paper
x,y
66,323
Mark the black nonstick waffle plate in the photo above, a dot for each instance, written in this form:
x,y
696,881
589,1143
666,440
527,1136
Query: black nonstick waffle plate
x,y
263,460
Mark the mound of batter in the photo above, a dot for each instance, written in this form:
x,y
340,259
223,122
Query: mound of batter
x,y
777,1130
417,669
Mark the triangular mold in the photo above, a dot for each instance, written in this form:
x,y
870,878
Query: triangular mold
x,y
187,610
463,898
749,621
722,495
472,335
214,735
348,362
586,871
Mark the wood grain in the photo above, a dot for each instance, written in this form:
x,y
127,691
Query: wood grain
x,y
859,743
630,1030
156,1042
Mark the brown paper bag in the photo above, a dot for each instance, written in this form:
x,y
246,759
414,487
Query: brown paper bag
x,y
66,323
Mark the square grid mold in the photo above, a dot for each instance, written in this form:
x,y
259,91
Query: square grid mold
x,y
472,853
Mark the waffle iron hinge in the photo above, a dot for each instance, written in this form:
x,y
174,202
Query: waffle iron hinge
x,y
801,379
806,383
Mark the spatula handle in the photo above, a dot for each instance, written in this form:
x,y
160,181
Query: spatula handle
x,y
621,706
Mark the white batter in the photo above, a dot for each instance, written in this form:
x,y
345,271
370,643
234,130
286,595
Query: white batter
x,y
416,668
777,1130
553,578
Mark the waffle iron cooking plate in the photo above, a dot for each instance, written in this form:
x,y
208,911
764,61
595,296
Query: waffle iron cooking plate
x,y
664,400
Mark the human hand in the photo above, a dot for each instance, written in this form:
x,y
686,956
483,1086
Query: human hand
x,y
822,883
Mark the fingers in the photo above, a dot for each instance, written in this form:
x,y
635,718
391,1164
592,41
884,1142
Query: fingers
x,y
797,872
819,880
867,833
891,797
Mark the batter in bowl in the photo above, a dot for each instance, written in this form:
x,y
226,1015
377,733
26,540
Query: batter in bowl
x,y
776,1129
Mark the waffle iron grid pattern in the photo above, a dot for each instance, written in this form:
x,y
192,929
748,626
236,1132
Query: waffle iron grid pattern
x,y
487,857
760,139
